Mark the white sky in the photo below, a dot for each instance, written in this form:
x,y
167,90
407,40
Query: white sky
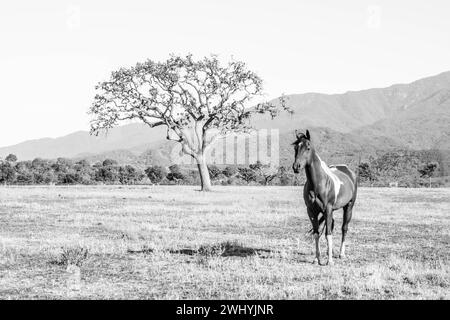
x,y
52,53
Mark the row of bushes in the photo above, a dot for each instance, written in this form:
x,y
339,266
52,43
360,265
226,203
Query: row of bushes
x,y
66,171
405,171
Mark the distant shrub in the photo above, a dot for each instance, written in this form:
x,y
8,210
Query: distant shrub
x,y
11,158
214,171
156,173
72,256
175,174
230,171
247,174
109,162
129,175
7,173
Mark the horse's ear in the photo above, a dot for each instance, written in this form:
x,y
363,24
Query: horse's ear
x,y
307,135
297,134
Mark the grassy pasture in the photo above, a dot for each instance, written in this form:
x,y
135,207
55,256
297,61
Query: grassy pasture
x,y
173,242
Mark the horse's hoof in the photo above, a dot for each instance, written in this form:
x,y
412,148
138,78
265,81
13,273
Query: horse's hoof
x,y
316,261
330,263
342,256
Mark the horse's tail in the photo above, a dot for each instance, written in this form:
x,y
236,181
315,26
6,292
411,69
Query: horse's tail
x,y
322,225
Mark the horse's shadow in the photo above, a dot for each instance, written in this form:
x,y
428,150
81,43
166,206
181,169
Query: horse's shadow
x,y
223,251
232,249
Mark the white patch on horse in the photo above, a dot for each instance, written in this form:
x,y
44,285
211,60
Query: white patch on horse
x,y
336,181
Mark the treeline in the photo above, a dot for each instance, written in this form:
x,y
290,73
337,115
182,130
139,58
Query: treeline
x,y
67,171
404,169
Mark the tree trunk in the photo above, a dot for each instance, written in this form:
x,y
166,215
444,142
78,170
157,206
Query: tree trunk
x,y
204,174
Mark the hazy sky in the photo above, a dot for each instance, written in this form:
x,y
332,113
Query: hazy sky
x,y
53,53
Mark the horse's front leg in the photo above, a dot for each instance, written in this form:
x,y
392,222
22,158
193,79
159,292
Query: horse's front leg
x,y
313,216
329,231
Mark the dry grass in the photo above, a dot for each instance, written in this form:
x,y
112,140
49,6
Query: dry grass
x,y
234,243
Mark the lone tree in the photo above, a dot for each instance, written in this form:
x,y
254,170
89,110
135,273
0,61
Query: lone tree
x,y
196,100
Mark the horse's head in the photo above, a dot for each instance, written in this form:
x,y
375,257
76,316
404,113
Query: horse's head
x,y
303,151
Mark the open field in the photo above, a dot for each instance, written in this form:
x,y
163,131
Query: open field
x,y
173,242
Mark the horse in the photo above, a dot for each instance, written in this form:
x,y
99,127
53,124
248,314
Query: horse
x,y
326,189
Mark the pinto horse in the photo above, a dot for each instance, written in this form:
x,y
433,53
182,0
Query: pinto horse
x,y
326,189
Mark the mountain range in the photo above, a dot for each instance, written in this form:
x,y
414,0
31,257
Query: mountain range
x,y
413,116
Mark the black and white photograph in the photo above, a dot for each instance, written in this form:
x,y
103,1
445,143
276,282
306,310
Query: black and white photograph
x,y
229,152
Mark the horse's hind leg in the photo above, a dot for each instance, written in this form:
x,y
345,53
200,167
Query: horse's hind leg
x,y
329,232
345,221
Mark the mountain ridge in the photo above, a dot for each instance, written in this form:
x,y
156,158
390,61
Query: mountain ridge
x,y
408,116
